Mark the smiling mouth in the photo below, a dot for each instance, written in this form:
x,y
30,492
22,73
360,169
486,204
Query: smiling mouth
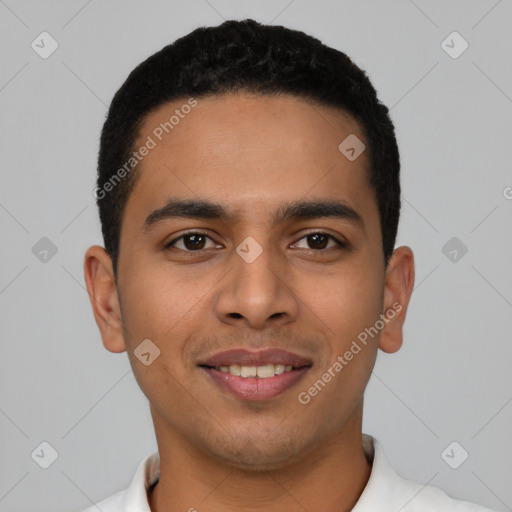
x,y
255,383
255,374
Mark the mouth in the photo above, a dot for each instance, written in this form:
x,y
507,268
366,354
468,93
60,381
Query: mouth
x,y
256,375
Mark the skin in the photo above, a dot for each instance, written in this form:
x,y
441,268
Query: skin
x,y
252,154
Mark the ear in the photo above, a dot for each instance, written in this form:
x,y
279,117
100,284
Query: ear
x,y
101,286
397,293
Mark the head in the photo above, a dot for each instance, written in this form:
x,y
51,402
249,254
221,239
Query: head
x,y
243,56
233,217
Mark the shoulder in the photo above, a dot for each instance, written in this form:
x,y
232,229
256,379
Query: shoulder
x,y
135,496
421,498
387,490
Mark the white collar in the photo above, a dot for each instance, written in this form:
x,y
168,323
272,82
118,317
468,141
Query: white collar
x,y
385,490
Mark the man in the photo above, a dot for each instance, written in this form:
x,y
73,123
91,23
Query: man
x,y
249,196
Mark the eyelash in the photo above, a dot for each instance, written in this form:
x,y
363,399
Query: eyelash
x,y
341,245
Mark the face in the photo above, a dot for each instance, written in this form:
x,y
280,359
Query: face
x,y
214,259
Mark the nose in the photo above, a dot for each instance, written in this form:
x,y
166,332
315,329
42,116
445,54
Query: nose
x,y
258,292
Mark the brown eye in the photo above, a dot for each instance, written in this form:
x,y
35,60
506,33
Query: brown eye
x,y
319,241
190,242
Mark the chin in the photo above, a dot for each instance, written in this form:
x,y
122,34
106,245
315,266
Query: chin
x,y
254,460
257,453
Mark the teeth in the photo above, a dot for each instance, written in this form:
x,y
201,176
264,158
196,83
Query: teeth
x,y
266,371
262,372
279,369
248,371
235,369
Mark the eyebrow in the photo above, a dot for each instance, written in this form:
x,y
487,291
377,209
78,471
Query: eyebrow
x,y
298,210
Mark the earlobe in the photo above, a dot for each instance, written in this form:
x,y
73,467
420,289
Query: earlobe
x,y
397,293
101,286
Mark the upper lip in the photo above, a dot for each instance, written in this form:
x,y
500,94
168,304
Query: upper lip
x,y
245,357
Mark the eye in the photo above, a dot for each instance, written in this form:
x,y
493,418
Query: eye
x,y
197,241
319,241
191,242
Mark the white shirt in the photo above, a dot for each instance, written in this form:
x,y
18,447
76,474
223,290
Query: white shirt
x,y
385,491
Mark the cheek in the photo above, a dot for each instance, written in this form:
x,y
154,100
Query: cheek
x,y
167,308
346,301
157,307
154,301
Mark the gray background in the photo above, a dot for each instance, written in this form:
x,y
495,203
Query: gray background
x,y
451,381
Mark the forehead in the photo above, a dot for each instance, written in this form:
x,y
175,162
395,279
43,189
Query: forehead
x,y
250,152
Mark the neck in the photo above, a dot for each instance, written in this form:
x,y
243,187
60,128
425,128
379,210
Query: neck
x,y
331,477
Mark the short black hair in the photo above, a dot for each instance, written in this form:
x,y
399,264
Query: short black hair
x,y
244,56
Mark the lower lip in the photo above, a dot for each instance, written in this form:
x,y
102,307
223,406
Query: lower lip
x,y
249,388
